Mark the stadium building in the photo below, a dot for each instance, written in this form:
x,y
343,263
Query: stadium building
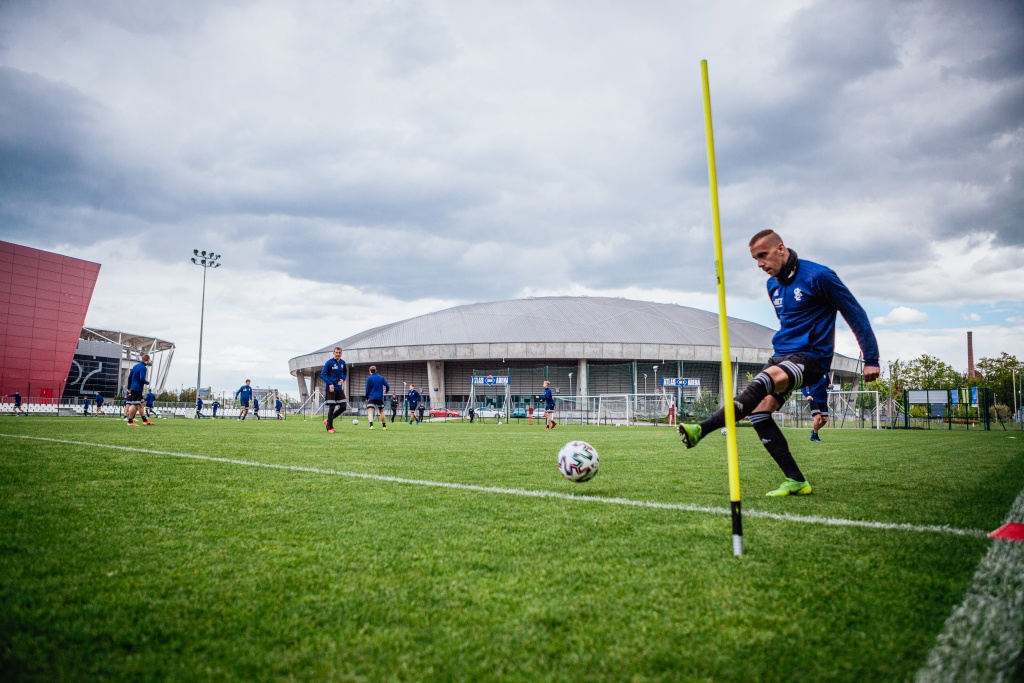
x,y
585,346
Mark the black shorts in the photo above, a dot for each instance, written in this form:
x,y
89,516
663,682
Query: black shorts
x,y
335,397
807,370
377,402
245,404
134,397
819,408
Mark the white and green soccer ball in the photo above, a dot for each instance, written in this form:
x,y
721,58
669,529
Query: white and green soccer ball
x,y
355,422
578,461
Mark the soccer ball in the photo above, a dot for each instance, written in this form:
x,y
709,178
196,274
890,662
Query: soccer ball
x,y
355,422
578,461
724,431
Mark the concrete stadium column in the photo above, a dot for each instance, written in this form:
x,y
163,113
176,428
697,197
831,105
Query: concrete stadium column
x,y
303,389
435,378
581,375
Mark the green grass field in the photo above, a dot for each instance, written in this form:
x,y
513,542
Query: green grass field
x,y
127,565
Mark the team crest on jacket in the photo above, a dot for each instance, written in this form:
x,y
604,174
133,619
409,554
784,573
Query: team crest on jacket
x,y
798,294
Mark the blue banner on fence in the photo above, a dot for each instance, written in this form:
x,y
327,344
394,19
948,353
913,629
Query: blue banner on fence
x,y
680,381
491,380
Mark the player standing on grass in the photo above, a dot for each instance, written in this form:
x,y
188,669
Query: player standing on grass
x,y
215,406
375,388
414,403
245,392
256,409
18,412
334,373
549,406
817,398
394,407
277,407
99,404
136,383
150,400
806,297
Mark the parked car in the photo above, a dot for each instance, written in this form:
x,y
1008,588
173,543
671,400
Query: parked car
x,y
519,412
443,412
489,412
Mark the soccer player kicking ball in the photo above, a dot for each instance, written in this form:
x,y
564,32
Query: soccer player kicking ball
x,y
806,297
817,397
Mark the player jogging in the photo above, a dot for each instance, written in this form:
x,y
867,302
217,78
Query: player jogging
x,y
806,297
244,394
817,398
150,400
549,407
215,406
256,409
414,403
99,404
375,388
136,383
334,373
18,411
277,407
199,408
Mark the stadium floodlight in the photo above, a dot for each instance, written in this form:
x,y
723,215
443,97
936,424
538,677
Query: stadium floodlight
x,y
655,379
206,259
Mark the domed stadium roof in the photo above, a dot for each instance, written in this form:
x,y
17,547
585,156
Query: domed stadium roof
x,y
561,319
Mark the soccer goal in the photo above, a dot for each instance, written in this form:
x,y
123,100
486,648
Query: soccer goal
x,y
860,409
615,409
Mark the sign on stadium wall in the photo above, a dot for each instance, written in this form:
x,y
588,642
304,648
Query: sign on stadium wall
x,y
680,381
491,380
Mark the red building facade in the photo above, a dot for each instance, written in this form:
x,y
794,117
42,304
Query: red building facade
x,y
43,301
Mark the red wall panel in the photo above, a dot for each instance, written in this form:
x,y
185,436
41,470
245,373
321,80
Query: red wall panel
x,y
44,298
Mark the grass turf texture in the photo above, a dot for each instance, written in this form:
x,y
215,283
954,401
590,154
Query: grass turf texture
x,y
129,566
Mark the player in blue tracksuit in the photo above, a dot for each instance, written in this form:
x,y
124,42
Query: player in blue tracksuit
x,y
136,385
334,373
17,404
277,408
807,296
375,388
414,403
215,406
244,394
549,407
150,400
817,397
256,409
199,408
99,404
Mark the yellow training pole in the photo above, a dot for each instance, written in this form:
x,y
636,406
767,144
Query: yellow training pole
x,y
723,330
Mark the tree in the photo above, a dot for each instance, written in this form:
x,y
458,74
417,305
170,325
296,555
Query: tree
x,y
928,372
998,375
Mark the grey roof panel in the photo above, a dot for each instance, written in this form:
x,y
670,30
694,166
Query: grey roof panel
x,y
561,319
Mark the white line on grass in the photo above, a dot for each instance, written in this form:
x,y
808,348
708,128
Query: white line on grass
x,y
983,637
785,517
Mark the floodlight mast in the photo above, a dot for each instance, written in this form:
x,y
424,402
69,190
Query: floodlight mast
x,y
207,260
723,327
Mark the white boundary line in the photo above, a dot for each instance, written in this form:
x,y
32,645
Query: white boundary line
x,y
983,638
801,519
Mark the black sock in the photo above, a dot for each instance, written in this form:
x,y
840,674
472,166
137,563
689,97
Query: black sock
x,y
776,445
746,403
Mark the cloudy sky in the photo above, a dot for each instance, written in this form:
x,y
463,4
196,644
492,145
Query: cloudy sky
x,y
358,163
